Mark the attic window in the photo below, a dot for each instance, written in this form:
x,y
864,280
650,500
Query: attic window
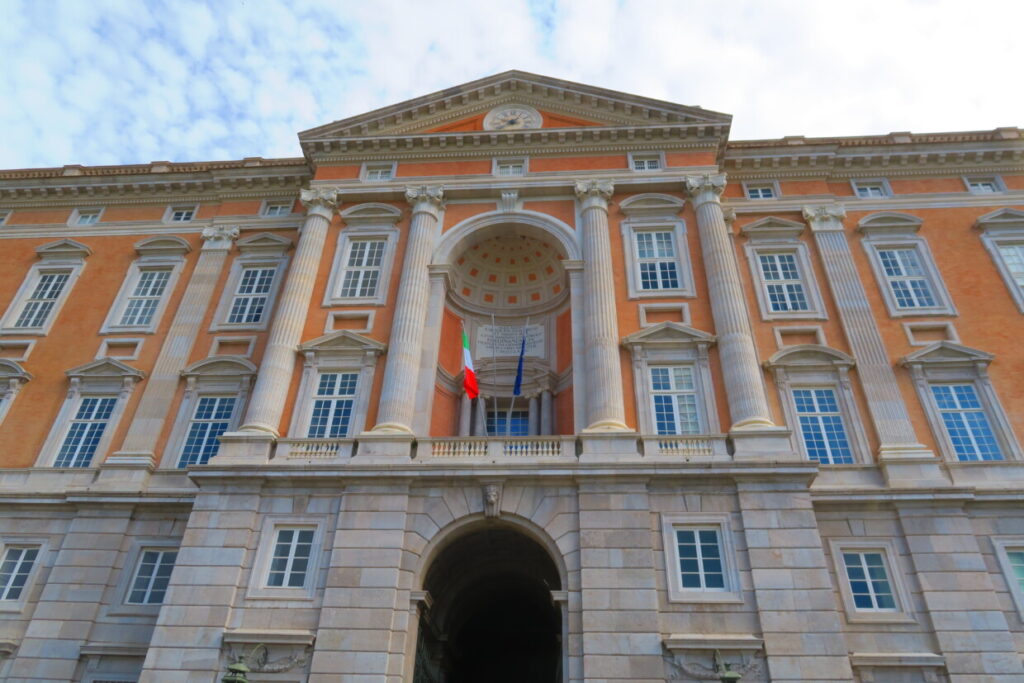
x,y
277,209
984,184
181,214
379,172
761,190
509,167
646,162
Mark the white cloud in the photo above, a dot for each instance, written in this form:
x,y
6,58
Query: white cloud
x,y
125,81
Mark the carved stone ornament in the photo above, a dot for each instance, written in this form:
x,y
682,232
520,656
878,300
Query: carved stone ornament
x,y
319,197
684,668
492,500
259,660
220,232
593,189
825,215
432,196
697,184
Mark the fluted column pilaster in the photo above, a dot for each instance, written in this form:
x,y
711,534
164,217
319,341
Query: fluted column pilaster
x,y
744,384
397,401
605,407
275,374
163,381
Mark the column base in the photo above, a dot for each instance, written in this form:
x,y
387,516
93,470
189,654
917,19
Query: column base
x,y
609,446
390,428
911,466
245,447
383,447
764,443
124,471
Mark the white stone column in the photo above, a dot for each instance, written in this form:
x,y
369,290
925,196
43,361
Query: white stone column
x,y
163,382
397,401
744,384
534,415
480,427
546,413
465,414
605,407
278,364
440,278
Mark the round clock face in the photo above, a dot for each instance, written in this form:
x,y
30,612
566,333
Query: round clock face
x,y
513,117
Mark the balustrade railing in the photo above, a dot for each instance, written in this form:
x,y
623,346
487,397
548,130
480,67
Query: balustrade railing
x,y
315,450
712,446
514,447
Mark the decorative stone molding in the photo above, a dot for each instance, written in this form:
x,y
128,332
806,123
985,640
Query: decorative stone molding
x,y
492,499
425,198
686,657
594,193
889,223
219,236
772,228
12,378
651,205
825,217
320,200
63,250
705,188
168,246
269,651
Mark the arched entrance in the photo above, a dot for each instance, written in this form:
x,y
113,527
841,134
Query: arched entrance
x,y
492,617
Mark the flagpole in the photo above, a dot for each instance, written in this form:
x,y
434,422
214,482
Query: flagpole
x,y
508,418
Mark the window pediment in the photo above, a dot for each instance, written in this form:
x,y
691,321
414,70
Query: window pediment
x,y
1012,219
221,366
371,213
947,353
64,249
105,368
889,223
809,356
168,245
652,205
264,243
342,343
772,228
668,334
10,370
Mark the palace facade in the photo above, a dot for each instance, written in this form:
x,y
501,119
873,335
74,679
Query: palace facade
x,y
768,424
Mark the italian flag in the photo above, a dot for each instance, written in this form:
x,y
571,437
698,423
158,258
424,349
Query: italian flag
x,y
469,375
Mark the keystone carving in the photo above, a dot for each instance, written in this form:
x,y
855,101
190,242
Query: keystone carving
x,y
492,500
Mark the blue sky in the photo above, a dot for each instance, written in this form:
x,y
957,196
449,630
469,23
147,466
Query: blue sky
x,y
131,81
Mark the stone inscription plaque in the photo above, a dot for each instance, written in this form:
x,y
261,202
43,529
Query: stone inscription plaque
x,y
503,341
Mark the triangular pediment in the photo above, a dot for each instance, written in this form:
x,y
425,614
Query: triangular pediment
x,y
63,249
1002,218
773,227
668,333
561,104
264,242
105,368
947,353
343,341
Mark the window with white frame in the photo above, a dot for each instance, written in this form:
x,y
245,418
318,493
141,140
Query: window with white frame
x,y
814,384
504,168
780,263
211,418
85,431
83,428
216,389
657,260
961,404
872,189
984,184
85,216
288,559
253,282
334,390
45,288
822,430
145,297
674,399
365,254
673,388
379,172
332,405
151,577
181,214
654,237
761,190
289,564
16,570
903,264
1003,237
871,587
1010,553
646,162
699,558
282,208
147,285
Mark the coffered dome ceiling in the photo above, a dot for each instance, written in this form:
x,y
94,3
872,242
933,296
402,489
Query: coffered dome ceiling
x,y
510,271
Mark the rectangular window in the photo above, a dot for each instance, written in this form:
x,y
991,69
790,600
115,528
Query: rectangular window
x,y
907,278
965,421
363,268
1015,556
277,209
85,431
182,214
15,570
869,581
509,168
674,394
332,405
500,424
656,257
760,192
151,577
871,191
145,298
985,185
700,559
821,425
212,417
44,297
646,162
380,172
782,282
290,562
1013,257
252,294
88,217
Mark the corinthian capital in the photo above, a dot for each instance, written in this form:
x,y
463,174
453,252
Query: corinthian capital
x,y
425,197
594,189
320,198
708,182
825,216
219,236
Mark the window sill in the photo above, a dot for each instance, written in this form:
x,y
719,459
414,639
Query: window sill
x,y
716,597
